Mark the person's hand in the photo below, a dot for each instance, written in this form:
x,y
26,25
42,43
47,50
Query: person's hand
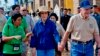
x,y
33,51
17,37
98,52
29,34
60,47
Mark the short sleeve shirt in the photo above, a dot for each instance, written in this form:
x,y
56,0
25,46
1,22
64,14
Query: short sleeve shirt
x,y
10,30
81,29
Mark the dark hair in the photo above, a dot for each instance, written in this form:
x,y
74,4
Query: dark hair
x,y
95,6
34,14
8,12
14,6
78,7
69,9
1,8
15,16
55,15
65,9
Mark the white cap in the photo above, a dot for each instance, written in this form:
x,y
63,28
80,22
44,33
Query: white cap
x,y
43,8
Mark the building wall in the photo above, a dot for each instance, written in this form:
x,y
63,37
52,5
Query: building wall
x,y
49,4
61,3
73,4
69,4
98,2
37,4
55,2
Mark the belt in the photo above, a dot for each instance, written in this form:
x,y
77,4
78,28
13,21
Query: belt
x,y
81,42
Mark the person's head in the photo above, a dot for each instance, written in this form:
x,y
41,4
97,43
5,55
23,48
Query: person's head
x,y
43,13
53,17
34,14
85,8
16,19
16,8
1,10
23,11
95,9
65,11
69,10
8,12
61,9
37,10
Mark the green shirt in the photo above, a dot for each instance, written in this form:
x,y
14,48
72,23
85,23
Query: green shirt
x,y
23,24
10,30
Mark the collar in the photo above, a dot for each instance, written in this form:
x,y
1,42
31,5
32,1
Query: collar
x,y
40,21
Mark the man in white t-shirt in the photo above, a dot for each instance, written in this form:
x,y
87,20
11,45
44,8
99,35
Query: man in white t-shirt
x,y
83,29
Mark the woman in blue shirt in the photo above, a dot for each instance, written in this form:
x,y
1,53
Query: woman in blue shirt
x,y
45,36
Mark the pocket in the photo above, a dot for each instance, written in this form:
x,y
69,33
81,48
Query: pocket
x,y
16,47
74,44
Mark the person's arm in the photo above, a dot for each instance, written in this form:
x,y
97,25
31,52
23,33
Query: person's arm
x,y
65,38
96,34
33,41
6,39
5,33
66,35
28,35
56,34
33,51
97,37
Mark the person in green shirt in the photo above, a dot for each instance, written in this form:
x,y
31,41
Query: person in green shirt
x,y
16,10
13,35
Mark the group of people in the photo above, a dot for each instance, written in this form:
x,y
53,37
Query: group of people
x,y
48,37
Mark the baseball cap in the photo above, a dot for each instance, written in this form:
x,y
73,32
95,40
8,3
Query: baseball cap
x,y
85,4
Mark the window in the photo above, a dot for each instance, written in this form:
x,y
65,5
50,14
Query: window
x,y
42,2
49,4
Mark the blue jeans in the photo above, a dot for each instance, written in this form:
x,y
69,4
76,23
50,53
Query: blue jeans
x,y
79,49
46,52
